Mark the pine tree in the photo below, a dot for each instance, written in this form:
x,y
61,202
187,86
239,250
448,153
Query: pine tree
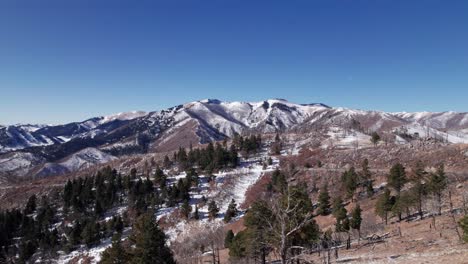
x,y
166,162
397,177
419,189
116,253
341,215
350,180
196,215
278,181
231,212
149,242
402,204
90,235
437,184
366,178
384,205
30,205
186,209
464,225
375,138
324,201
228,239
212,210
356,219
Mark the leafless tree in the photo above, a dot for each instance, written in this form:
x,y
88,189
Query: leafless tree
x,y
282,226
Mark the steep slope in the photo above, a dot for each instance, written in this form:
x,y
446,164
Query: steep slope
x,y
78,161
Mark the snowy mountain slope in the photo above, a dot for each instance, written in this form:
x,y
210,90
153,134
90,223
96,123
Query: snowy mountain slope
x,y
80,160
442,120
209,120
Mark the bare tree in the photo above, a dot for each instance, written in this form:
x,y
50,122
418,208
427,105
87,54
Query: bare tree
x,y
283,222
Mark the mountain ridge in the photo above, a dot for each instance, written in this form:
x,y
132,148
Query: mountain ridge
x,y
210,120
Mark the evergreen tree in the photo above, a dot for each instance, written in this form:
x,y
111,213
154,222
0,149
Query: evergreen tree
x,y
186,209
270,161
231,212
384,205
419,189
402,204
30,205
116,253
196,215
238,245
26,249
341,215
397,177
324,201
437,184
90,235
67,194
350,180
278,181
356,219
213,210
149,242
228,239
366,178
167,162
375,138
464,225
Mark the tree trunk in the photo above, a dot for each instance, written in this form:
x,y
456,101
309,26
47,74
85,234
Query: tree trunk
x,y
263,256
420,208
439,201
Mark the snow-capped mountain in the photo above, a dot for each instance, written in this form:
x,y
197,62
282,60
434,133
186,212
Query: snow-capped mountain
x,y
207,120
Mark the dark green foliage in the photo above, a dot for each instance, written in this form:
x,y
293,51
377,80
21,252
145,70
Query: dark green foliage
x,y
278,181
419,189
231,212
91,233
350,180
270,161
403,203
437,184
341,215
26,250
375,138
366,178
397,177
238,246
247,145
149,242
356,218
115,254
324,201
276,146
209,159
228,239
185,209
213,210
384,205
287,218
30,205
464,225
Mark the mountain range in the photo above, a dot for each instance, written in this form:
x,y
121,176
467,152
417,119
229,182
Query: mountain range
x,y
42,150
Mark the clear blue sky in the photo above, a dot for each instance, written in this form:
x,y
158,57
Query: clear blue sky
x,y
66,61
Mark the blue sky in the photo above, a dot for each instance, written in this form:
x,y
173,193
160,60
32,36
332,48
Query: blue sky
x,y
64,61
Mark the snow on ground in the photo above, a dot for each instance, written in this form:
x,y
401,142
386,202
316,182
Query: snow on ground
x,y
339,137
229,184
232,184
427,132
123,116
93,253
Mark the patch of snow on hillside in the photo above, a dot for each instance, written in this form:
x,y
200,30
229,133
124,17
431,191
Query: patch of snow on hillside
x,y
123,116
